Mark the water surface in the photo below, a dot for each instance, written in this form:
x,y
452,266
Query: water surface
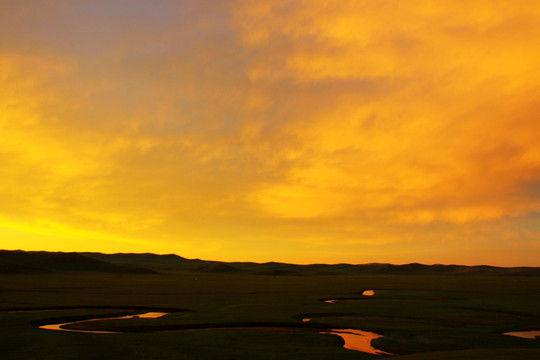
x,y
148,315
524,334
358,340
364,293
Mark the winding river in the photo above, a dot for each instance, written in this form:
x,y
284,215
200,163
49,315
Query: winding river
x,y
148,315
354,339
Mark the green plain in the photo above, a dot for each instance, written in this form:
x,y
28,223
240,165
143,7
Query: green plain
x,y
421,316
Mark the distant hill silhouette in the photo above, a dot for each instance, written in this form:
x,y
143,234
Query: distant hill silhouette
x,y
219,268
13,262
21,262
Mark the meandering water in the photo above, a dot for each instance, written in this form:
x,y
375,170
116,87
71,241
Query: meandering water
x,y
355,339
524,334
148,315
358,340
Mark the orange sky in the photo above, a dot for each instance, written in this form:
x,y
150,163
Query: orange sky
x,y
255,130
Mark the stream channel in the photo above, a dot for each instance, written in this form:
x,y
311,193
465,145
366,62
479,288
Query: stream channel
x,y
354,339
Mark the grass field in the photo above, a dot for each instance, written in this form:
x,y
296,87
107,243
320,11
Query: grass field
x,y
420,316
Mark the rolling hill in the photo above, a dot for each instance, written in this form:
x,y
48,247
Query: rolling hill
x,y
20,262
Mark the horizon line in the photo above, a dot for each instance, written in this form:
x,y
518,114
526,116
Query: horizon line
x,y
277,262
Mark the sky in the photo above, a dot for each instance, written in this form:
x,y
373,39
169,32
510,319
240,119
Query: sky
x,y
265,130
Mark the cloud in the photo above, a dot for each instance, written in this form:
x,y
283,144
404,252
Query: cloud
x,y
290,130
448,117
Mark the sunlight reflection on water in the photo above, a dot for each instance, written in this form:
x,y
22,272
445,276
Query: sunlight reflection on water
x,y
358,340
148,315
524,334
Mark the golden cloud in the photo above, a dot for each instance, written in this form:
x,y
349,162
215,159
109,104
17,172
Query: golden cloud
x,y
446,134
273,130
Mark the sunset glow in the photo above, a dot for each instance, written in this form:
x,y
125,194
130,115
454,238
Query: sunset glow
x,y
264,130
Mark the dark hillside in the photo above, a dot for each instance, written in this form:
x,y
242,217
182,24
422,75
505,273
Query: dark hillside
x,y
17,262
151,261
219,268
42,261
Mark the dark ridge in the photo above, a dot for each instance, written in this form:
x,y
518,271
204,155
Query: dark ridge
x,y
152,261
8,268
219,268
72,261
525,271
279,272
136,270
273,268
42,261
21,262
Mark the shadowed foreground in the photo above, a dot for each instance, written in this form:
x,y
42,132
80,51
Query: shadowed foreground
x,y
420,316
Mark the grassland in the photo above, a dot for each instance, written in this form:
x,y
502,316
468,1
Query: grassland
x,y
421,316
240,310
